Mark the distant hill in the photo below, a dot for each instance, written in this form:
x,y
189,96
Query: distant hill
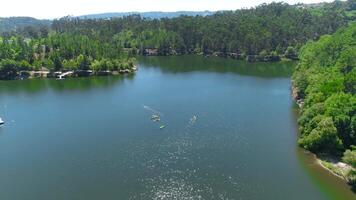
x,y
16,23
153,15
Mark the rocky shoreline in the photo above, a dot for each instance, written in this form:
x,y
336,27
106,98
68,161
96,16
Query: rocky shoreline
x,y
295,94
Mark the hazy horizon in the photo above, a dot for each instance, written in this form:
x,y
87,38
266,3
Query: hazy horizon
x,y
50,9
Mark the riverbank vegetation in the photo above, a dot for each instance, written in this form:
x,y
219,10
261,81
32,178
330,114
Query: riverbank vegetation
x,y
58,52
325,85
268,32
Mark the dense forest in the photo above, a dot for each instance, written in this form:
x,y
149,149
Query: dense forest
x,y
267,32
60,52
10,24
325,85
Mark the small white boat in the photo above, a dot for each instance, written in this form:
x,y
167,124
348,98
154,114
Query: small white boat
x,y
1,122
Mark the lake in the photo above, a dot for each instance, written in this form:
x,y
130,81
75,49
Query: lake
x,y
227,130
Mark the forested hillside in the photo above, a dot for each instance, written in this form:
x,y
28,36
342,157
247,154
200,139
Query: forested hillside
x,y
20,23
267,30
152,15
264,33
325,85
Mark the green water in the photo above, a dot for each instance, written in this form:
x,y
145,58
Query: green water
x,y
92,138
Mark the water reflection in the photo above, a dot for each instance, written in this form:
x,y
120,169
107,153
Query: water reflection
x,y
33,86
64,142
183,64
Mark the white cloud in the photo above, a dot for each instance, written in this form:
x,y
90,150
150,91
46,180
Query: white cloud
x,y
57,8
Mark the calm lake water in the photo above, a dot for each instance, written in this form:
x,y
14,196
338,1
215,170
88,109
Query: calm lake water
x,y
92,138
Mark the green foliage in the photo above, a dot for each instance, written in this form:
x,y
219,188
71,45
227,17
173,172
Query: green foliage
x,y
115,64
271,27
262,33
57,52
300,83
325,79
291,53
350,157
24,65
48,63
70,64
83,62
8,69
323,137
263,53
350,81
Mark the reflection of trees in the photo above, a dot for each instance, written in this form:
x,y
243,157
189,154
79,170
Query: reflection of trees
x,y
183,64
80,84
171,64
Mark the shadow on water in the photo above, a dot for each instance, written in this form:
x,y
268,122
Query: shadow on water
x,y
190,63
33,86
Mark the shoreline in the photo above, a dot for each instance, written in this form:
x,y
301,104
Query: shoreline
x,y
332,165
338,171
44,73
236,56
21,75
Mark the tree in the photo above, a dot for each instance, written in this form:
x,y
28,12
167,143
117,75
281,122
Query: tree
x,y
323,138
350,81
70,64
341,107
291,53
48,64
57,63
325,80
83,62
8,69
350,157
206,45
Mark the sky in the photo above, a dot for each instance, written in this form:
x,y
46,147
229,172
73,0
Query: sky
x,y
50,9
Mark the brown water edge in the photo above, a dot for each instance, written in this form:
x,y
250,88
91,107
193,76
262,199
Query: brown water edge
x,y
329,183
334,186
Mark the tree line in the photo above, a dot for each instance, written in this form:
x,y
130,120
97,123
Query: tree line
x,y
268,29
60,52
263,33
